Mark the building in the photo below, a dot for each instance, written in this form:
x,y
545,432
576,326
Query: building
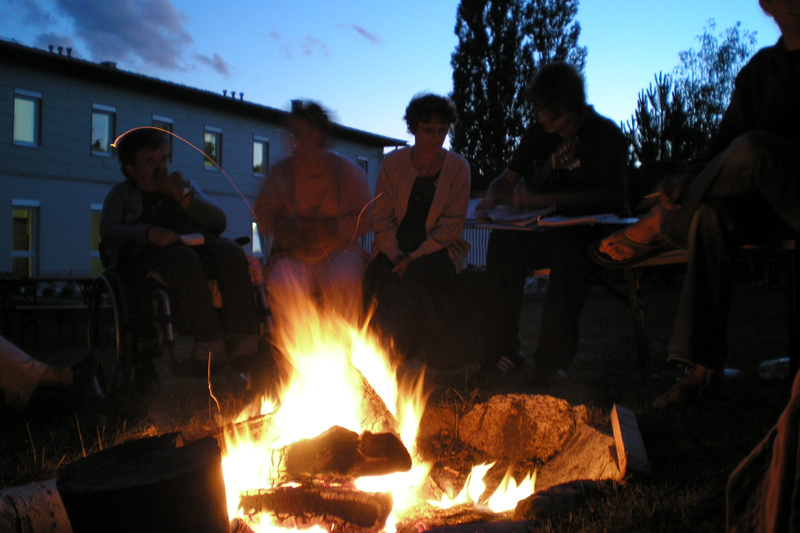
x,y
59,117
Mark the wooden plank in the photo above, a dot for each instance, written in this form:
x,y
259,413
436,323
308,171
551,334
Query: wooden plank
x,y
631,453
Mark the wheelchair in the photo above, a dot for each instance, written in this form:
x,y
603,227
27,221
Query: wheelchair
x,y
132,321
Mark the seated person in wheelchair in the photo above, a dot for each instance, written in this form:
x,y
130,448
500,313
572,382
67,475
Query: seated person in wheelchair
x,y
147,214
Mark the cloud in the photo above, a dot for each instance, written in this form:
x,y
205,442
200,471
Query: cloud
x,y
32,13
150,32
311,45
216,63
363,32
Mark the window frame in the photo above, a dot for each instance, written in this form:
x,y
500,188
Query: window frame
x,y
216,134
264,142
159,121
36,99
110,112
31,254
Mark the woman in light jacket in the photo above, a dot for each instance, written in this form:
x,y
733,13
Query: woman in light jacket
x,y
422,195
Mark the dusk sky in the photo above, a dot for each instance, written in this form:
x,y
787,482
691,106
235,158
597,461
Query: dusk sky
x,y
363,60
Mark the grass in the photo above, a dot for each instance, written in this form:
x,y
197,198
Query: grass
x,y
692,452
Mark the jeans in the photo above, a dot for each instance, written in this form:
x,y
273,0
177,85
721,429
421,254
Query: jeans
x,y
746,195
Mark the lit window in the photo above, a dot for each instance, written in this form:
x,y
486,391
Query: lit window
x,y
24,238
260,156
212,148
27,118
164,123
103,128
95,263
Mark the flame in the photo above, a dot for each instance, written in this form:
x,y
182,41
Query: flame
x,y
330,364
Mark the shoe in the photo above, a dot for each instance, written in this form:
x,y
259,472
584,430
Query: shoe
x,y
546,378
511,364
641,251
206,358
245,346
689,390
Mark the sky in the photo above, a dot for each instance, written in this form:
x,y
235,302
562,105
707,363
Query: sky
x,y
362,59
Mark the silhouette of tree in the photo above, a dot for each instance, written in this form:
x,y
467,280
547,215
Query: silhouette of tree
x,y
676,117
501,44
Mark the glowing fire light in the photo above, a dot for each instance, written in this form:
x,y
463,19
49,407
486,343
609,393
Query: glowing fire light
x,y
332,364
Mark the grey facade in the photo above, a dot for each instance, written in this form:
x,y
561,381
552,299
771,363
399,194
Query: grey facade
x,y
60,181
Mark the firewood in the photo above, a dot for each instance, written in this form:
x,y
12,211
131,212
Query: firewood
x,y
344,508
339,452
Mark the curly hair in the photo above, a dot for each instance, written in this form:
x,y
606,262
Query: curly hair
x,y
427,108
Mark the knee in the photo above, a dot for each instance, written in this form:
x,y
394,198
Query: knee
x,y
753,145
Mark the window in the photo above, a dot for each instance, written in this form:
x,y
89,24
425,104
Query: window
x,y
164,123
27,118
260,156
24,238
95,262
363,162
212,148
103,129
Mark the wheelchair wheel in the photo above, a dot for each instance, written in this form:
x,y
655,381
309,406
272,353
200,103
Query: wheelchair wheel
x,y
108,338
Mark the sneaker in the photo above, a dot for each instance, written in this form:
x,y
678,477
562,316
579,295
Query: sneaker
x,y
511,364
544,378
689,390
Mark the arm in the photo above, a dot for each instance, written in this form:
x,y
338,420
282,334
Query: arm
x,y
452,209
384,215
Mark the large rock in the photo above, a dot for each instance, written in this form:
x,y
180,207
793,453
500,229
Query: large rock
x,y
520,426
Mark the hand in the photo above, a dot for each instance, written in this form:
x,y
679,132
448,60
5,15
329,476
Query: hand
x,y
500,191
401,266
162,236
670,191
172,185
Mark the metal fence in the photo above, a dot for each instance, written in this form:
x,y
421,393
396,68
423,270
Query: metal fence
x,y
477,237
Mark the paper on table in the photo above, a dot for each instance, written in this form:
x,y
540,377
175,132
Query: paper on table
x,y
554,221
503,214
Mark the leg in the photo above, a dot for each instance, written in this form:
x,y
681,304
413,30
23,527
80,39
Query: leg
x,y
288,279
507,263
19,374
226,262
339,276
181,269
570,274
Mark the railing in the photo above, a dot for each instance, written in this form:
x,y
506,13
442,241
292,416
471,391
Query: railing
x,y
477,237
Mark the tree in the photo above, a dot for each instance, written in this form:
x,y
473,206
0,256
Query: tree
x,y
501,44
676,118
706,76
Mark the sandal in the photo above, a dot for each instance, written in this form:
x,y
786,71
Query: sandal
x,y
641,251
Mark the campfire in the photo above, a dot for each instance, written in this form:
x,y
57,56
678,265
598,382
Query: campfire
x,y
336,449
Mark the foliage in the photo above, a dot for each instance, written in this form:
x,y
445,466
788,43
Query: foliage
x,y
676,118
501,44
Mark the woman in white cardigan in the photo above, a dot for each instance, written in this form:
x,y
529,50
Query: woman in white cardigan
x,y
422,196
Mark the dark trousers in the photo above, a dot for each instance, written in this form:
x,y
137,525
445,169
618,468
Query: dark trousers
x,y
747,194
510,256
186,271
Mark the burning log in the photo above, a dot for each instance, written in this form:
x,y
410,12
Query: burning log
x,y
339,452
346,509
147,485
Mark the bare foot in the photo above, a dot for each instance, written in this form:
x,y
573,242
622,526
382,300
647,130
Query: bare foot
x,y
620,244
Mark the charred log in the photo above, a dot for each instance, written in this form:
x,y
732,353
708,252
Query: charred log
x,y
346,509
339,452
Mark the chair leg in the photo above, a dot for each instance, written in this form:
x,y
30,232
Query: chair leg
x,y
632,277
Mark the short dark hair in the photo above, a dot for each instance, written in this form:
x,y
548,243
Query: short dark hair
x,y
135,140
314,114
427,108
557,86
